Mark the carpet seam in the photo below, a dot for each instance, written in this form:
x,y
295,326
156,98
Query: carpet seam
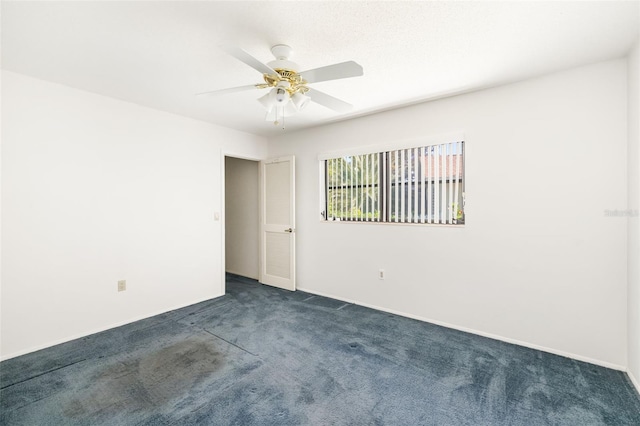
x,y
232,344
42,374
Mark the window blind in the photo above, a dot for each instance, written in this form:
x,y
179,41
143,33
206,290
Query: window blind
x,y
413,185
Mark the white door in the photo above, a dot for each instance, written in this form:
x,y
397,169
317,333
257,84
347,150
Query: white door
x,y
277,223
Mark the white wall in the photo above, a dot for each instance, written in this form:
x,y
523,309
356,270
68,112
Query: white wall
x,y
633,236
95,190
538,262
241,217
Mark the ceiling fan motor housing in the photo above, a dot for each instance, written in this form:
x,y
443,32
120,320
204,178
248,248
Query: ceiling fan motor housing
x,y
287,70
282,52
283,64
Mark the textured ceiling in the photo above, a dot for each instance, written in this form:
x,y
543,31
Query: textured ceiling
x,y
159,54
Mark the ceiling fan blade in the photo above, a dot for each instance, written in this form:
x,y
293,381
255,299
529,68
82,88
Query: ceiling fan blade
x,y
333,72
243,56
329,101
229,90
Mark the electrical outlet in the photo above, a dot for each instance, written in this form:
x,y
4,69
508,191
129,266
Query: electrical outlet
x,y
122,285
381,274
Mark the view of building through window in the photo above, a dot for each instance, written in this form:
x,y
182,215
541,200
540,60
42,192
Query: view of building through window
x,y
413,185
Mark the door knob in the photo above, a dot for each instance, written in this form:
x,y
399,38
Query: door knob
x,y
288,230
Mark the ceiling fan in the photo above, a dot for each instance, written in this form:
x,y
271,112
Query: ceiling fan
x,y
289,92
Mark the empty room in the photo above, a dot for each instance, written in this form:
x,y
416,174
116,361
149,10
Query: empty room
x,y
454,240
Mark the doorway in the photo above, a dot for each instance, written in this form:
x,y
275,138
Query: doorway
x,y
241,214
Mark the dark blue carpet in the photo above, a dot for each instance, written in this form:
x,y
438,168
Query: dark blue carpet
x,y
263,356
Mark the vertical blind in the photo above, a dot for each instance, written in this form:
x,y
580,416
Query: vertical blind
x,y
413,185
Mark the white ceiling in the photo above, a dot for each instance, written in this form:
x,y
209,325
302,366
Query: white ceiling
x,y
159,54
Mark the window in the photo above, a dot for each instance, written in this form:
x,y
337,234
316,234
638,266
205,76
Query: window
x,y
413,185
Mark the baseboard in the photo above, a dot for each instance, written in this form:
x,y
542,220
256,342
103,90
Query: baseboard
x,y
317,293
634,381
480,333
100,329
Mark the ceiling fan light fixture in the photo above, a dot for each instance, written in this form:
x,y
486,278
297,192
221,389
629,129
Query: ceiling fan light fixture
x,y
268,100
300,101
281,93
282,96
